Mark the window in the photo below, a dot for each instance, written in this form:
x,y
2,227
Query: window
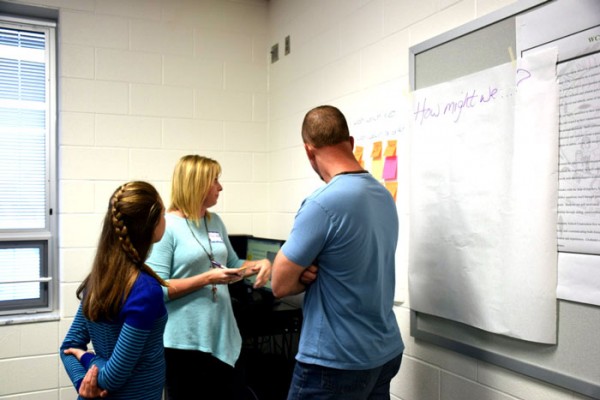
x,y
27,166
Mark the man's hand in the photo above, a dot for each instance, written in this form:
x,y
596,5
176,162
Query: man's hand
x,y
309,275
290,278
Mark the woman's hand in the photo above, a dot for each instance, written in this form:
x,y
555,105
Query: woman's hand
x,y
224,276
214,276
262,268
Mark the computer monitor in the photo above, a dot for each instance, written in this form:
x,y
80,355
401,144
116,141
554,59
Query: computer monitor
x,y
256,248
239,244
260,248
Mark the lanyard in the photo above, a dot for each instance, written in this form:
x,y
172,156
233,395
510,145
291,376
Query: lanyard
x,y
209,254
213,263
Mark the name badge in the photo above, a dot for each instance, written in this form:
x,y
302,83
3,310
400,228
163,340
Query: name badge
x,y
215,237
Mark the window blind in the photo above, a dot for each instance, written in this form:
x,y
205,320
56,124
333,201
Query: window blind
x,y
23,109
24,168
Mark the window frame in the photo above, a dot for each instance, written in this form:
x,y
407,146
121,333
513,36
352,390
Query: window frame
x,y
46,306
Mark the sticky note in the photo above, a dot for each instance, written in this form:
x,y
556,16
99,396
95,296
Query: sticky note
x,y
390,149
377,168
389,169
392,187
376,152
358,153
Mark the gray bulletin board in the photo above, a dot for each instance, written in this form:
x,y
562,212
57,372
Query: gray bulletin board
x,y
574,362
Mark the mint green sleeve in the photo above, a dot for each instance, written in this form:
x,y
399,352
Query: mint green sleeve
x,y
161,259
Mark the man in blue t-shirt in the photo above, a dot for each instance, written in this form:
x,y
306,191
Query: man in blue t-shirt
x,y
346,231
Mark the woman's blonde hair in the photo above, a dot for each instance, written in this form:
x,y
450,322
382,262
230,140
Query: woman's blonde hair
x,y
192,178
134,211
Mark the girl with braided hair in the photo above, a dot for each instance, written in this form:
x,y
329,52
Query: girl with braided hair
x,y
122,312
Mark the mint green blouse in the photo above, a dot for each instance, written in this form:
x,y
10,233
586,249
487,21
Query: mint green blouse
x,y
196,321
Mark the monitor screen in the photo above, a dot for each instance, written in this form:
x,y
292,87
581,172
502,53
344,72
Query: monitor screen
x,y
259,248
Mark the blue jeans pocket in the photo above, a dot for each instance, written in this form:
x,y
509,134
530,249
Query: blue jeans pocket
x,y
345,382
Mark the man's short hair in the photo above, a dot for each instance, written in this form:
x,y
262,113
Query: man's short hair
x,y
324,126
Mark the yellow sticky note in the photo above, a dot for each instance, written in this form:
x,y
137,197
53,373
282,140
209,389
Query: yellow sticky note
x,y
358,153
377,169
390,149
392,187
376,152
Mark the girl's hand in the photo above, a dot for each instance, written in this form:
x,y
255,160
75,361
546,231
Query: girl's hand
x,y
75,352
89,386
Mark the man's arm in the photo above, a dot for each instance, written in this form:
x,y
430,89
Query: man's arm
x,y
286,277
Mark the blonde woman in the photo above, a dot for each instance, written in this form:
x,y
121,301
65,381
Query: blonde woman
x,y
122,312
202,340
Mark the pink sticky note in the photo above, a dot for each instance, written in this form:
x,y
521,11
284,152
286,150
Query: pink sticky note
x,y
389,169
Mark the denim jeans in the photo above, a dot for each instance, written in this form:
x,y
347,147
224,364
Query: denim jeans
x,y
321,383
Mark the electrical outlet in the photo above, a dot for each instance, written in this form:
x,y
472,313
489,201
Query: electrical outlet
x,y
274,53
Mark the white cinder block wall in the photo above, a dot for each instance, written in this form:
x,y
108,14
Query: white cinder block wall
x,y
143,82
341,49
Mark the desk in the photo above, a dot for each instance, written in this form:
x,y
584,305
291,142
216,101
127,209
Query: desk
x,y
266,324
274,331
270,330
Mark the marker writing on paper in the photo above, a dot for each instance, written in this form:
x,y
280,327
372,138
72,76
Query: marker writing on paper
x,y
470,100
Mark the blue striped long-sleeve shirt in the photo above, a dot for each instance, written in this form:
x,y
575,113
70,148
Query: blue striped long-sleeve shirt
x,y
129,351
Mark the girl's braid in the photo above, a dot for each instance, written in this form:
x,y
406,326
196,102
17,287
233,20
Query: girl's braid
x,y
120,228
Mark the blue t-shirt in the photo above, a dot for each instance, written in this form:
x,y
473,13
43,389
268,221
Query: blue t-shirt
x,y
349,228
